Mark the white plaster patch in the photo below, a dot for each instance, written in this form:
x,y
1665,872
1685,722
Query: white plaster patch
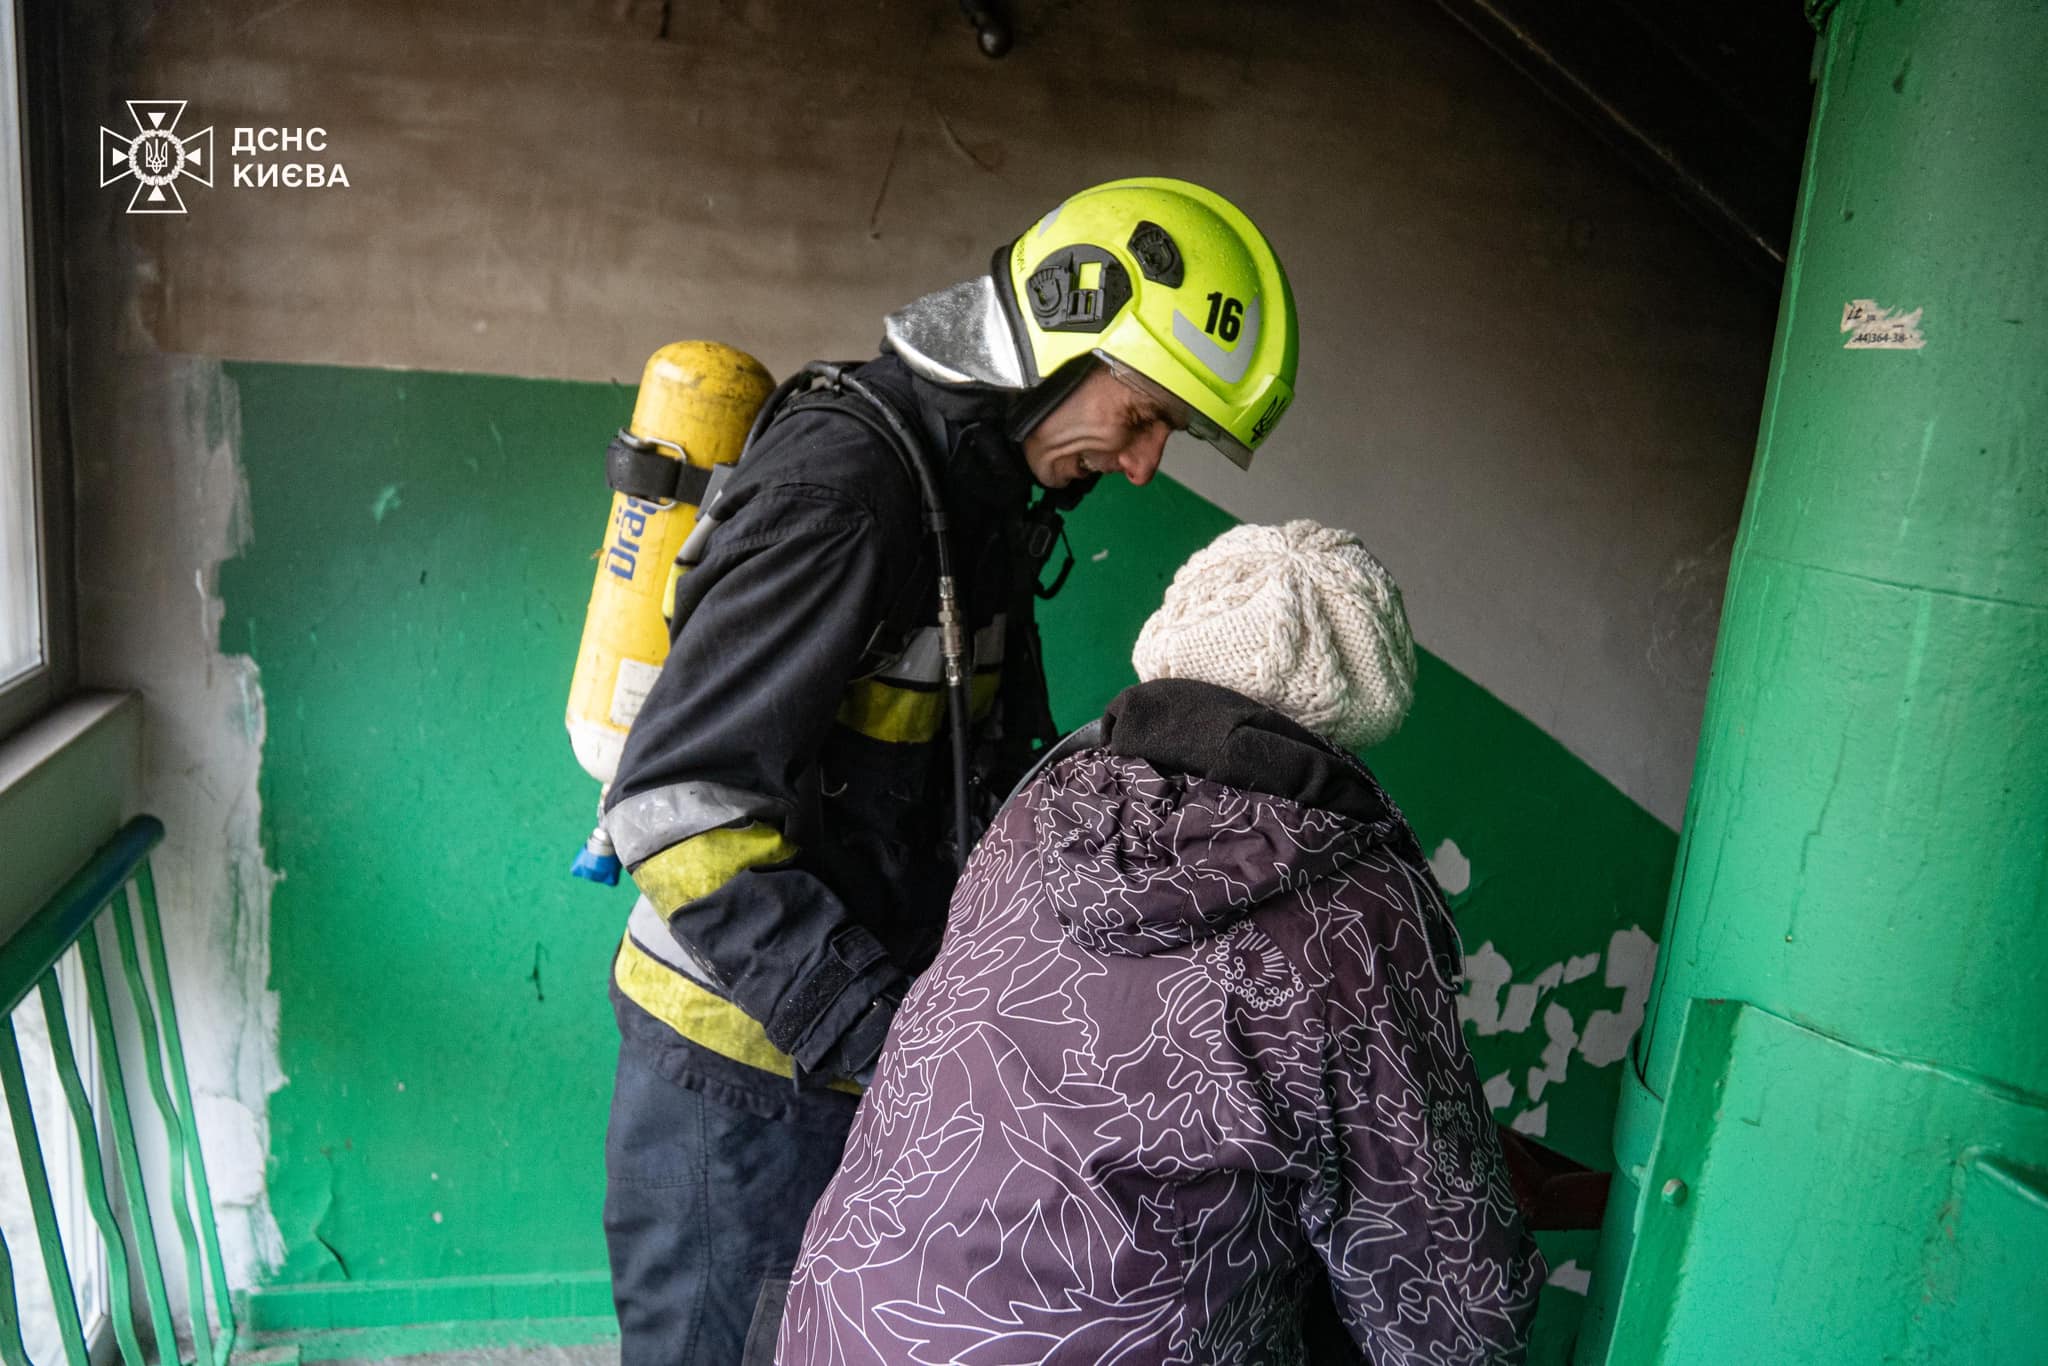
x,y
1486,972
231,1138
1523,997
1500,1092
178,509
1098,557
1520,1008
1480,1005
1534,1121
1571,1278
1453,870
1581,965
1631,959
1874,328
1557,1054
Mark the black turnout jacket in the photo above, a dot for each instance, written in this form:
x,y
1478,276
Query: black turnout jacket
x,y
783,801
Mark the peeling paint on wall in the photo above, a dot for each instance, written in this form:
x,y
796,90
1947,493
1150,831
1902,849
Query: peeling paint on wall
x,y
1571,1277
172,510
1486,972
1631,959
1523,996
1453,870
1557,1054
1499,1090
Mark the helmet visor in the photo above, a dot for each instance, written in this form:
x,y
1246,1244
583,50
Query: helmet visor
x,y
1180,414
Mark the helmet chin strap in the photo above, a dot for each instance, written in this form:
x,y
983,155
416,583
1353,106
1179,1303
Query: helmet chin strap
x,y
1035,404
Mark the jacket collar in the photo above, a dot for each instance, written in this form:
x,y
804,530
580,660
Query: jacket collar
x,y
978,462
1179,725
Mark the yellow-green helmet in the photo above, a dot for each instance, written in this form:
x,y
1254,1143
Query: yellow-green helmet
x,y
1166,281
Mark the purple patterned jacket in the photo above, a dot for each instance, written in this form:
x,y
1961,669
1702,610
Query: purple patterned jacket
x,y
1191,1042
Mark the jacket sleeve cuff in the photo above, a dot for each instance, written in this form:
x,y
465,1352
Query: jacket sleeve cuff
x,y
828,1002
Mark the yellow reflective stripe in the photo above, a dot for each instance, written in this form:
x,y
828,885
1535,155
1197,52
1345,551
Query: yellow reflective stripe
x,y
701,864
701,1016
909,716
676,570
901,716
981,693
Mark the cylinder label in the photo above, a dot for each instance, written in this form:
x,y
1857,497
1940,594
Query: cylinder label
x,y
630,692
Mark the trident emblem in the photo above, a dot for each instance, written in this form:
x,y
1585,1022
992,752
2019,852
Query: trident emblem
x,y
156,156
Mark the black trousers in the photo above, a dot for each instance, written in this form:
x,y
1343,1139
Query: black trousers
x,y
704,1211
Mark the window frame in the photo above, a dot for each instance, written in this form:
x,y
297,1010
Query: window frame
x,y
37,28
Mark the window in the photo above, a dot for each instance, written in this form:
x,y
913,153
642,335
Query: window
x,y
35,580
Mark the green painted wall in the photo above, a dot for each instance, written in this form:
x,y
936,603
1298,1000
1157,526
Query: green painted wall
x,y
1848,1058
412,595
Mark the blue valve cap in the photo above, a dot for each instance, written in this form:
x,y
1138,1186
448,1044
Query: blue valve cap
x,y
596,867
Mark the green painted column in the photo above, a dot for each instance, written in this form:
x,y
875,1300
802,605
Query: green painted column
x,y
1834,1140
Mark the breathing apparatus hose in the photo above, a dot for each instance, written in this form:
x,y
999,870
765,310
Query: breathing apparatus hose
x,y
952,629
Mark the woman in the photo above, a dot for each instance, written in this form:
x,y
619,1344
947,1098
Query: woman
x,y
1192,1042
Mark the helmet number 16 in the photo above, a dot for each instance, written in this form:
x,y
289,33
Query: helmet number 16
x,y
1225,317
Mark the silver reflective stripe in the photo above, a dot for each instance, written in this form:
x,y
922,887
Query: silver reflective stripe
x,y
1228,366
650,932
924,659
988,643
692,552
648,822
720,476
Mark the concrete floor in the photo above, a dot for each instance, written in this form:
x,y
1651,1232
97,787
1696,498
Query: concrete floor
x,y
590,1354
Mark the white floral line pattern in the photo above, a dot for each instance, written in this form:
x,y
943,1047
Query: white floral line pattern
x,y
1183,1043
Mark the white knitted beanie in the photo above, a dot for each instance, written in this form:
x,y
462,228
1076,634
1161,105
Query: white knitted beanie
x,y
1300,617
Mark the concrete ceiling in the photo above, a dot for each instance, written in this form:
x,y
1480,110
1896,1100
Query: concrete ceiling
x,y
1708,97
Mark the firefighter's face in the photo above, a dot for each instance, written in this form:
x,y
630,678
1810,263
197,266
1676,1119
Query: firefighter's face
x,y
1105,426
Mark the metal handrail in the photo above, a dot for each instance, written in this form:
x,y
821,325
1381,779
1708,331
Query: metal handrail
x,y
117,879
36,947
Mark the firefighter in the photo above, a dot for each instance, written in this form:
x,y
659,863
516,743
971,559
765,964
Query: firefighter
x,y
789,800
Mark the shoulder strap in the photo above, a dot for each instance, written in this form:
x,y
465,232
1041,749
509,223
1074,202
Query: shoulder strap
x,y
904,614
862,411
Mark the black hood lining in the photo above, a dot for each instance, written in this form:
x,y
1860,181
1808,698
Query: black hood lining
x,y
1179,725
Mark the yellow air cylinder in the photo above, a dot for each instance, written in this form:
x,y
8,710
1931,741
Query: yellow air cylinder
x,y
698,398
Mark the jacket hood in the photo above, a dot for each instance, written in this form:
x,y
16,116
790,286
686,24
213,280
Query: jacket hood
x,y
1200,806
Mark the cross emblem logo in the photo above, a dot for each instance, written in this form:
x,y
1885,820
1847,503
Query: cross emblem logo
x,y
156,156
